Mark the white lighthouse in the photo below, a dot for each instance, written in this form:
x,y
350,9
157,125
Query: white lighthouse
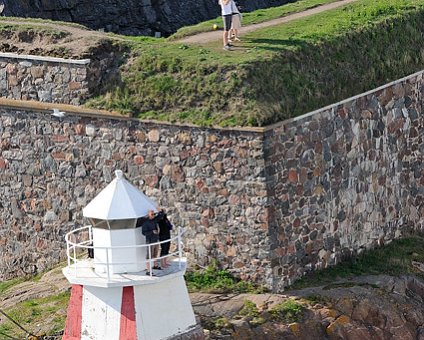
x,y
112,298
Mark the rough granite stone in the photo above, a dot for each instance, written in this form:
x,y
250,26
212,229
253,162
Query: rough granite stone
x,y
266,206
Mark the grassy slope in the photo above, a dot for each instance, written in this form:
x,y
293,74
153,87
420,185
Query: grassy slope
x,y
279,72
32,21
345,54
47,314
394,259
10,283
8,30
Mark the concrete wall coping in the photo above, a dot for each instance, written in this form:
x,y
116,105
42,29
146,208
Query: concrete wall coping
x,y
46,59
32,105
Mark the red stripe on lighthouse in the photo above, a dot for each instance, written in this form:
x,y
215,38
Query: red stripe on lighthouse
x,y
73,320
128,329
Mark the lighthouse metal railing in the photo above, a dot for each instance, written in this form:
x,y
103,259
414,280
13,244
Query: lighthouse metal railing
x,y
74,249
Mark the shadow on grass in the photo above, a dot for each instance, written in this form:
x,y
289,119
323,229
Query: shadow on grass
x,y
393,259
276,45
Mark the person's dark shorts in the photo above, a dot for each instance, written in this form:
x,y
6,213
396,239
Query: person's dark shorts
x,y
164,248
227,21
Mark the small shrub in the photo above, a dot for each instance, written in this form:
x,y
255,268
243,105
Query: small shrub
x,y
288,311
214,279
251,312
315,299
257,321
249,309
249,287
221,323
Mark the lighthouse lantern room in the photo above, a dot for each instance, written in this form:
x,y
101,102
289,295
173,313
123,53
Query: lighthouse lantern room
x,y
113,214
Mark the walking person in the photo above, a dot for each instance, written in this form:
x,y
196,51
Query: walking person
x,y
150,229
227,18
165,227
235,22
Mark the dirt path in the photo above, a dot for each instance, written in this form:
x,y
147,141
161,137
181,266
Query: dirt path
x,y
217,35
79,39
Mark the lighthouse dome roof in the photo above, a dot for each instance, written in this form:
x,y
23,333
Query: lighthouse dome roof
x,y
118,201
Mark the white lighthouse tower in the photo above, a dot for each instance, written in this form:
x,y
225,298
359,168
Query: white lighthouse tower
x,y
112,298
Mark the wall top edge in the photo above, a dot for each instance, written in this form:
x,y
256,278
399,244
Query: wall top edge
x,y
41,58
44,107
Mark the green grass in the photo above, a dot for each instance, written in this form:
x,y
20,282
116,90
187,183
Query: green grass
x,y
32,314
213,279
393,259
251,312
31,21
31,30
254,17
5,285
249,309
288,311
277,73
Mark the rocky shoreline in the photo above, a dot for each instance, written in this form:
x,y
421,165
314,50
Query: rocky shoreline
x,y
367,307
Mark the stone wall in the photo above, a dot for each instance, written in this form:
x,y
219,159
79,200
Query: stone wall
x,y
346,178
211,181
270,204
44,79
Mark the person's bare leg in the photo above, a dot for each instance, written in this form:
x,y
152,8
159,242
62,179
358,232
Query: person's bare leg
x,y
148,269
158,255
225,38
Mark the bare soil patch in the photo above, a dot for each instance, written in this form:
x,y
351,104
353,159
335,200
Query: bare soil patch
x,y
49,39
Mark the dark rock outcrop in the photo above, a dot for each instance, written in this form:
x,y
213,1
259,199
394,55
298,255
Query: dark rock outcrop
x,y
367,308
130,17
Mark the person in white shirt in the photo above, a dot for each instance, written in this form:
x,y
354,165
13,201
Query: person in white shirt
x,y
226,11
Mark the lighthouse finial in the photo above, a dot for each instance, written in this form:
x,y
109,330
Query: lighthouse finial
x,y
119,174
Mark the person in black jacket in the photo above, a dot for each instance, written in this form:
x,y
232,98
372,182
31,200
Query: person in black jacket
x,y
150,230
165,227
